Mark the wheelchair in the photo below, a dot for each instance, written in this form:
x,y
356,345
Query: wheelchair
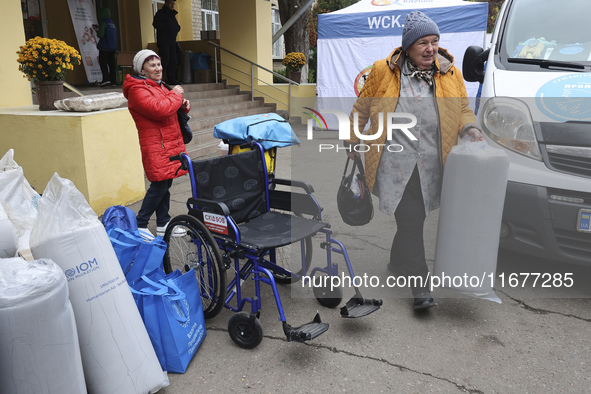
x,y
240,222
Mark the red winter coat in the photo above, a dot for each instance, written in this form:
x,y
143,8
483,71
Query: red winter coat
x,y
153,108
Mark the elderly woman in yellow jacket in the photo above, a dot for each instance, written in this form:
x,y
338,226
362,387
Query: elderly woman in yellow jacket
x,y
418,81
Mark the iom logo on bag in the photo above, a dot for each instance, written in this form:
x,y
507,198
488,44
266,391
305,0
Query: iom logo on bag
x,y
82,269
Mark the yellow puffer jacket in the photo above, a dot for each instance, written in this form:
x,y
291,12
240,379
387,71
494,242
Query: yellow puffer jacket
x,y
380,95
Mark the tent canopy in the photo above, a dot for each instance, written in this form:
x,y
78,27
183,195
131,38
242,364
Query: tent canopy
x,y
352,39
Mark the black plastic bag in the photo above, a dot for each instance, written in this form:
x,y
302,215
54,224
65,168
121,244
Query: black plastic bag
x,y
184,124
183,118
355,206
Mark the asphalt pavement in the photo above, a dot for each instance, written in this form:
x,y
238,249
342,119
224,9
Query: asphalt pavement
x,y
536,341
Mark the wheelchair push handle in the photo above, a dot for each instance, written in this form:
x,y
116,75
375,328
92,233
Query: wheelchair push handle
x,y
183,158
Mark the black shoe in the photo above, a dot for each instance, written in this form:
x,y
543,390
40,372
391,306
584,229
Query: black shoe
x,y
105,83
423,301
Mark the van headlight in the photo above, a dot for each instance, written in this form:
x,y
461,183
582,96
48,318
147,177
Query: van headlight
x,y
508,122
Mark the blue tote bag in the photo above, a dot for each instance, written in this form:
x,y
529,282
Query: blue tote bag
x,y
120,216
173,316
137,255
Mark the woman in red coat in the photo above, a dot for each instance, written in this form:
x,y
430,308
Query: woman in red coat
x,y
154,110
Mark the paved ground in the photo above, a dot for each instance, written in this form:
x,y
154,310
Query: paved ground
x,y
536,341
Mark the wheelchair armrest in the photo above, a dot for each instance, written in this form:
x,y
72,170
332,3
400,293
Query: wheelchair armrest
x,y
216,206
289,182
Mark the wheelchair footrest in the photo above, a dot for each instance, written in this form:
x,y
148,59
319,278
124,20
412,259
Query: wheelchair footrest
x,y
305,332
359,306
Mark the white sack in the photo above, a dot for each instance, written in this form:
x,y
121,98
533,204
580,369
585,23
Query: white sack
x,y
117,354
472,199
91,102
21,199
8,235
39,350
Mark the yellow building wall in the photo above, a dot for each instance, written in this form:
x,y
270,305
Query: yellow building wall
x,y
129,16
98,151
16,88
185,18
301,96
245,29
146,17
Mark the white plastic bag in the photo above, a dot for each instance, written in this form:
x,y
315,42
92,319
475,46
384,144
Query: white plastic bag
x,y
117,354
39,349
21,199
8,235
91,102
472,199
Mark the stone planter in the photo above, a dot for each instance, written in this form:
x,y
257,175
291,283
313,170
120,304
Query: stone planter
x,y
47,93
295,76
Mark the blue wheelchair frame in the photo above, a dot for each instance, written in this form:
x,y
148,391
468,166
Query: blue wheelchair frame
x,y
260,262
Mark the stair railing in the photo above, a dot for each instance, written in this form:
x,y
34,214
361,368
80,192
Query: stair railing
x,y
219,75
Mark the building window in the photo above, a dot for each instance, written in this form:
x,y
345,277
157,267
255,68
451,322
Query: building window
x,y
278,45
210,15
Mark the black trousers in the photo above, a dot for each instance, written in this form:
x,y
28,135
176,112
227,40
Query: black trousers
x,y
407,255
157,200
107,64
168,58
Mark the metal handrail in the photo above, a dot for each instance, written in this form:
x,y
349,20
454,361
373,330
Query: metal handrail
x,y
252,77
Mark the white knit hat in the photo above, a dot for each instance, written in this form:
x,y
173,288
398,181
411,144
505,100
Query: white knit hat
x,y
140,58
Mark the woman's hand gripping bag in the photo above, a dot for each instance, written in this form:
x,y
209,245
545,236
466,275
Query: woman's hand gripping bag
x,y
472,200
117,354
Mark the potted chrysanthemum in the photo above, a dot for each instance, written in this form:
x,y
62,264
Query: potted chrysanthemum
x,y
294,62
45,61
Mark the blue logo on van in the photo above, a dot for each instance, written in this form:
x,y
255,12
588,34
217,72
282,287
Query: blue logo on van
x,y
566,98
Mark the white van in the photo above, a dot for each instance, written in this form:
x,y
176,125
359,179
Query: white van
x,y
536,104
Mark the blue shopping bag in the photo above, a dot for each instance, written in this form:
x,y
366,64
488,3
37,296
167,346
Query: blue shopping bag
x,y
121,216
173,316
137,254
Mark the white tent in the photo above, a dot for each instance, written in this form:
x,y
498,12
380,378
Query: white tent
x,y
352,39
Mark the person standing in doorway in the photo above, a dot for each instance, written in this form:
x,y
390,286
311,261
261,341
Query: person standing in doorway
x,y
167,28
107,46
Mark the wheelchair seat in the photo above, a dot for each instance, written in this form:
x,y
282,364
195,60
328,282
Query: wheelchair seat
x,y
275,229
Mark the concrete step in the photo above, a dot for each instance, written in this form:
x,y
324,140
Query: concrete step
x,y
204,94
209,122
235,107
217,101
203,150
203,87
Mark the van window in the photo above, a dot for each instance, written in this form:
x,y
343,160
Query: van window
x,y
548,30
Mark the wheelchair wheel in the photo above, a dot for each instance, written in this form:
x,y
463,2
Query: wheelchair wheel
x,y
290,258
328,297
245,330
191,245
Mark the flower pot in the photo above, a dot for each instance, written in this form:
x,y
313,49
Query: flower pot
x,y
48,92
295,76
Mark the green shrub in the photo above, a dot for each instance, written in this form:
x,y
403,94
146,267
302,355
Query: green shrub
x,y
280,71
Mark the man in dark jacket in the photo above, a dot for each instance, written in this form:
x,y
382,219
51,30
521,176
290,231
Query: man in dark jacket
x,y
167,28
107,46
